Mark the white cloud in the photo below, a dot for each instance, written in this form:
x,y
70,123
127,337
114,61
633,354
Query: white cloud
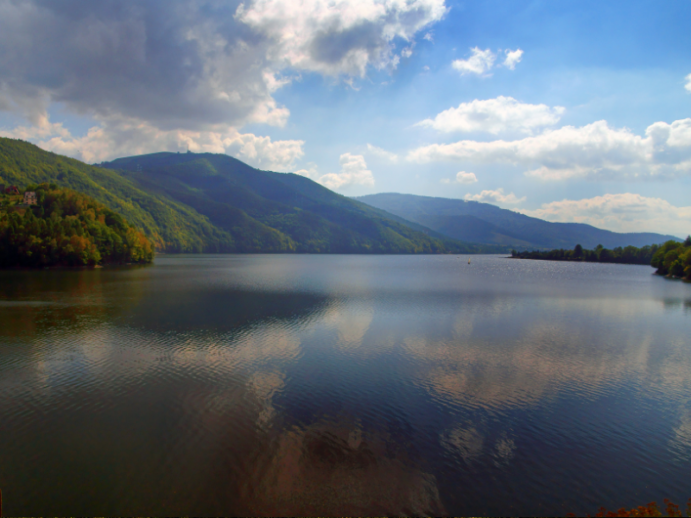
x,y
688,83
497,197
462,177
353,172
495,116
620,212
382,153
513,57
123,137
175,72
594,151
335,37
480,62
312,172
168,63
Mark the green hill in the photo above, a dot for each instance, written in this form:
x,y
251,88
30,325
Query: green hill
x,y
171,226
66,228
278,211
214,203
485,223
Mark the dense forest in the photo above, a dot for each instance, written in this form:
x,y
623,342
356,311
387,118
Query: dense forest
x,y
209,203
674,259
622,255
66,228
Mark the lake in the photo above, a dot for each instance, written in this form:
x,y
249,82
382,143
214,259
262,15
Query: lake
x,y
297,384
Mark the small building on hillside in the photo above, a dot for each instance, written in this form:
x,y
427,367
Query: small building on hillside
x,y
30,198
12,189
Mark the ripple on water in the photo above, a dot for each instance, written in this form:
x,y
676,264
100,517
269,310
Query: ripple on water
x,y
343,385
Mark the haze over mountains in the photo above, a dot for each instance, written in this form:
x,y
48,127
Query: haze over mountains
x,y
485,223
188,202
214,203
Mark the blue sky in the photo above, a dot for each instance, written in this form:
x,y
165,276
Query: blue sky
x,y
568,111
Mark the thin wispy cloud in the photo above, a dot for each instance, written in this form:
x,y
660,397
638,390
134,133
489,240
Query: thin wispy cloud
x,y
497,197
481,62
462,177
382,153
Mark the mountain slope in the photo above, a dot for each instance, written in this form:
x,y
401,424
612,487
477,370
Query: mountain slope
x,y
214,203
246,202
485,223
170,225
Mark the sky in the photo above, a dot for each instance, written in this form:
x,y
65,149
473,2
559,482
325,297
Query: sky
x,y
574,111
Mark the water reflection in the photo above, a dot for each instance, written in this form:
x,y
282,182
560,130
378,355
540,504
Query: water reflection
x,y
677,304
342,385
337,467
32,303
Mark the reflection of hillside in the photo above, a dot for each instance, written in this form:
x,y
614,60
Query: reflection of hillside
x,y
37,302
218,310
677,303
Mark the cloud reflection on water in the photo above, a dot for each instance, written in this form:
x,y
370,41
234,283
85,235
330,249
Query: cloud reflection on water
x,y
333,399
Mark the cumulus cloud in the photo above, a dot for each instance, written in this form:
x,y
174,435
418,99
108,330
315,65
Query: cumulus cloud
x,y
353,172
594,151
335,37
123,137
172,69
688,83
462,177
481,62
620,212
382,153
169,63
513,57
497,197
495,116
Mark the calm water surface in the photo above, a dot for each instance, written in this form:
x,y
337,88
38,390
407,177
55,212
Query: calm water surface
x,y
343,385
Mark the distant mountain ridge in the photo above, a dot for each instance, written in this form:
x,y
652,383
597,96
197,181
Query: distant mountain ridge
x,y
293,212
187,202
485,223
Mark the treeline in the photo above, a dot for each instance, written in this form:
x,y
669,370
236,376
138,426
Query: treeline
x,y
627,255
674,259
66,228
190,203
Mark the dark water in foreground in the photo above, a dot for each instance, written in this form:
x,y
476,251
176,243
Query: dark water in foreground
x,y
343,385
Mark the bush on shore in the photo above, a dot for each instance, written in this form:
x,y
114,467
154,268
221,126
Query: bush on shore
x,y
66,228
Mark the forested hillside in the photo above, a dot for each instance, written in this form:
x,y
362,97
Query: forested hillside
x,y
66,228
674,259
214,203
295,212
169,225
485,223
